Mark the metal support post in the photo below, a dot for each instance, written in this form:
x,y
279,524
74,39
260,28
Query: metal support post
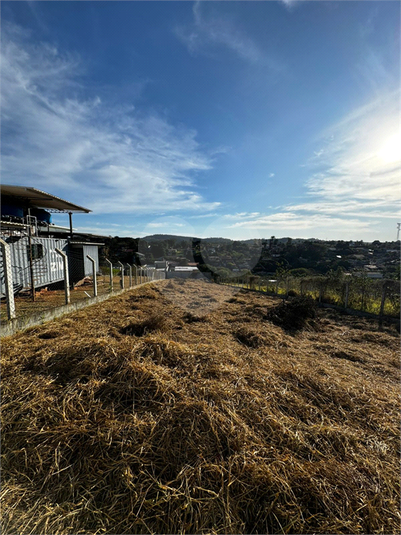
x,y
70,220
8,279
130,275
111,274
93,274
31,276
122,274
66,276
135,274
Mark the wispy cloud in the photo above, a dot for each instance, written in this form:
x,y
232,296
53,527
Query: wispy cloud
x,y
289,4
209,32
350,168
352,191
118,158
292,221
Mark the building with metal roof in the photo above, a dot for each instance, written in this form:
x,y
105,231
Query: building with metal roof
x,y
25,224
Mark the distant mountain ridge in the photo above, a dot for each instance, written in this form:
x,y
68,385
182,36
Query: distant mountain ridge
x,y
164,237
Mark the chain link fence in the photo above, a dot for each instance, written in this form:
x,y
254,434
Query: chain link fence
x,y
39,274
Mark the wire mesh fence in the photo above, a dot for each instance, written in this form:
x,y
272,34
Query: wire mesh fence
x,y
46,273
374,296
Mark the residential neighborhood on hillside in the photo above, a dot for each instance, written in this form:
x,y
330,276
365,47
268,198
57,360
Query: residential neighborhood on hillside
x,y
261,257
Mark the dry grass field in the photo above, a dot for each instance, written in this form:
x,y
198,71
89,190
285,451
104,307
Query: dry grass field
x,y
181,408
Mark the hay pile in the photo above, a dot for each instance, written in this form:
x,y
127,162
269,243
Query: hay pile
x,y
117,421
295,314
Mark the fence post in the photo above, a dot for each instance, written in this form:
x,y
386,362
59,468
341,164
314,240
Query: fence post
x,y
384,289
135,274
93,274
31,274
122,275
130,275
111,274
346,294
8,279
66,276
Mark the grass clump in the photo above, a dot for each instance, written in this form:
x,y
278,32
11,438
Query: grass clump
x,y
154,322
295,314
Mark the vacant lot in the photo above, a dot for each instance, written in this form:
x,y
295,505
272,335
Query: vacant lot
x,y
181,408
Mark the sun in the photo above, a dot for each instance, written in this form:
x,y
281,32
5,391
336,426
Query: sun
x,y
390,151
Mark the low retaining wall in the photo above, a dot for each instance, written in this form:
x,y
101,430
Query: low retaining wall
x,y
11,327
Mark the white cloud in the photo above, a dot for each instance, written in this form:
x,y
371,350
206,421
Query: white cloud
x,y
289,4
271,175
208,32
350,167
284,221
117,159
352,192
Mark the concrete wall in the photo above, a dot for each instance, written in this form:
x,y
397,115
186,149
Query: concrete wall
x,y
20,324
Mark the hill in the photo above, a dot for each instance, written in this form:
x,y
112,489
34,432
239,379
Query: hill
x,y
181,408
164,237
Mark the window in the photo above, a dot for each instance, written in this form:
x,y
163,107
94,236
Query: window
x,y
36,250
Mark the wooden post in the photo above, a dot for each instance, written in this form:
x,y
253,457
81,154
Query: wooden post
x,y
383,300
66,276
111,274
8,279
93,274
346,294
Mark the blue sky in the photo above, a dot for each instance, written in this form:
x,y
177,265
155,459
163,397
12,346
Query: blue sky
x,y
234,119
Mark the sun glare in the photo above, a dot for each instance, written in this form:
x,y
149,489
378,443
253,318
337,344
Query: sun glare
x,y
390,151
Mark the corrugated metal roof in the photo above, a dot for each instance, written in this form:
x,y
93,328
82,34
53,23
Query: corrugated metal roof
x,y
85,243
36,198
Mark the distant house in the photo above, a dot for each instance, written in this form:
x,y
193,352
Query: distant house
x,y
161,264
185,272
26,225
372,272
